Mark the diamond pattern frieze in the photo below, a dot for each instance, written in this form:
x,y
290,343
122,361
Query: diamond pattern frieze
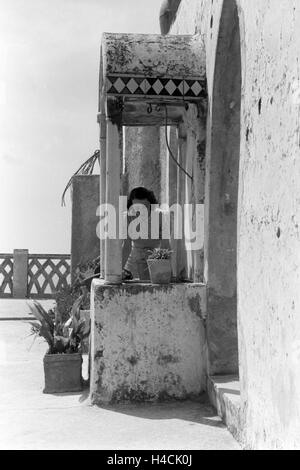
x,y
151,86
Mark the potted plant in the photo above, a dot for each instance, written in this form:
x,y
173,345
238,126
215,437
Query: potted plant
x,y
63,360
159,265
84,274
65,297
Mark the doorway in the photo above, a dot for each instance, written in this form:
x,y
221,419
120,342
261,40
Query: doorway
x,y
222,185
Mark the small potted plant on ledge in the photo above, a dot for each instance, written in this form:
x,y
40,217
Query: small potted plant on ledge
x,y
159,265
63,360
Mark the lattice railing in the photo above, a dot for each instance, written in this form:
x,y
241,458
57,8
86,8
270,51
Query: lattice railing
x,y
46,274
6,275
38,275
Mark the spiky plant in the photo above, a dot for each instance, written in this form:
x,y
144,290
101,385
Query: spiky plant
x,y
86,168
62,337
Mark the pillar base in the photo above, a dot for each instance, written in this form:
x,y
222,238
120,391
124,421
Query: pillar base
x,y
116,280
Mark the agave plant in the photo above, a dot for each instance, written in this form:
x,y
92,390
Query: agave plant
x,y
62,337
86,168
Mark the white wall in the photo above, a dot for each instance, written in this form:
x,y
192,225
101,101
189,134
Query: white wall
x,y
269,209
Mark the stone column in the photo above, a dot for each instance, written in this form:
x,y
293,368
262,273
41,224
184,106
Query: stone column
x,y
173,142
172,190
102,121
20,274
164,167
113,246
181,258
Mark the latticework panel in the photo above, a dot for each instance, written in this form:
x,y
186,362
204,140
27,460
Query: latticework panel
x,y
6,275
47,274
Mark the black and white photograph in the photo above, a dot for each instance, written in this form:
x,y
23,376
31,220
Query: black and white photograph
x,y
150,228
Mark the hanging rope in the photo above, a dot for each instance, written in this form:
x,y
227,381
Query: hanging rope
x,y
169,148
86,168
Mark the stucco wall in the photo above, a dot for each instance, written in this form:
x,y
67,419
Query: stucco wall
x,y
148,342
142,158
268,285
85,245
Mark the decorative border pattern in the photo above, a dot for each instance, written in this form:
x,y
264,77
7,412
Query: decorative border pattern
x,y
154,87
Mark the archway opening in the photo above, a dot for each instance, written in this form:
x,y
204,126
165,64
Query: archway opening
x,y
222,197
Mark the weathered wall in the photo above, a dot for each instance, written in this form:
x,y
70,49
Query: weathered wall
x,y
85,245
142,158
148,342
268,276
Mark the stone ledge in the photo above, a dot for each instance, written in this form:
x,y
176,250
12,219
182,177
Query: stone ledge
x,y
195,293
224,395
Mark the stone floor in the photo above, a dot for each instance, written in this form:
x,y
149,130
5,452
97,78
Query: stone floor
x,y
33,420
17,309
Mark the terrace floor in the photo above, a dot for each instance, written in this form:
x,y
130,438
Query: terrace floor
x,y
33,420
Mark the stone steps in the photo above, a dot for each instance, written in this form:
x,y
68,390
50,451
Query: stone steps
x,y
224,395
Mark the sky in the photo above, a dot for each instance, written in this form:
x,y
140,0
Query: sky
x,y
49,68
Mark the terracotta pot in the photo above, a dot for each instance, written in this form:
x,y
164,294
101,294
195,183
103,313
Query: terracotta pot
x,y
160,271
62,373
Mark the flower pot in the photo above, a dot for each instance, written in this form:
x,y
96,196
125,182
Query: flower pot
x,y
160,271
62,373
86,315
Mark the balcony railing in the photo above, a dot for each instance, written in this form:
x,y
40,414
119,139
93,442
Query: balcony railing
x,y
26,275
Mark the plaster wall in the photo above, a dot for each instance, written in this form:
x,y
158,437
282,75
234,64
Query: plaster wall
x,y
268,263
85,245
148,342
142,158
